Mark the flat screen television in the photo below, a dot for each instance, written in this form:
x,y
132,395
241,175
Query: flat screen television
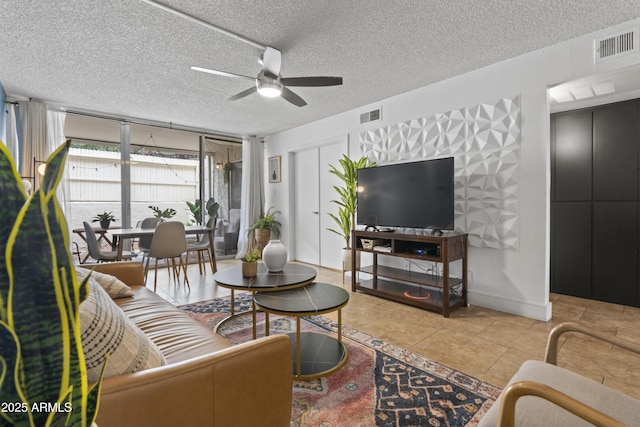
x,y
408,195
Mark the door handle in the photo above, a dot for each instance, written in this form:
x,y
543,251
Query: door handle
x,y
315,212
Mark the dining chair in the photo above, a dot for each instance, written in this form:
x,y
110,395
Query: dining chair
x,y
202,246
144,242
97,253
169,242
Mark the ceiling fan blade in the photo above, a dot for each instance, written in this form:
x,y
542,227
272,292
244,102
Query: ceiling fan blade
x,y
292,97
311,81
271,61
221,73
244,93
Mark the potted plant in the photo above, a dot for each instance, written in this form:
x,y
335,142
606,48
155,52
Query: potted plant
x,y
195,209
104,219
263,227
250,263
347,201
163,214
40,347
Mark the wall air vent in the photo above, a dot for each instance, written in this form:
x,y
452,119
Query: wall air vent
x,y
370,116
616,45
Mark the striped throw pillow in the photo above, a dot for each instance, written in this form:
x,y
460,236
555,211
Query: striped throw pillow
x,y
106,330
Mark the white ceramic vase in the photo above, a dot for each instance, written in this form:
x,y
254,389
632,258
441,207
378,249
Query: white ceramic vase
x,y
274,256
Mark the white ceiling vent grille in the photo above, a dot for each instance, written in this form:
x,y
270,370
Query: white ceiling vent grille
x,y
370,116
617,45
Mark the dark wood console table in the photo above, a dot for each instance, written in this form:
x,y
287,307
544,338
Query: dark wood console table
x,y
440,293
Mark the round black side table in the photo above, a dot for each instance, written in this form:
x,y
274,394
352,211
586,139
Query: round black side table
x,y
315,354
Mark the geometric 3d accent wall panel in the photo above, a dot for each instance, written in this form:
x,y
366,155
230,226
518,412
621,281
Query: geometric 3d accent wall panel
x,y
485,142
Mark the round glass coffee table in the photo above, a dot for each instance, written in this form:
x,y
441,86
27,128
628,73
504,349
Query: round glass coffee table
x,y
315,354
291,276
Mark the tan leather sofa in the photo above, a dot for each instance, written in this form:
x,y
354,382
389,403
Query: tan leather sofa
x,y
206,382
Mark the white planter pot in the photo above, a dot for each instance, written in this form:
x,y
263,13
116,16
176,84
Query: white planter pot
x,y
274,256
346,259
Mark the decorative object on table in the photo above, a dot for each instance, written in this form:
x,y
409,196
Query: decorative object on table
x,y
250,263
40,346
164,214
275,169
274,256
263,227
105,219
347,202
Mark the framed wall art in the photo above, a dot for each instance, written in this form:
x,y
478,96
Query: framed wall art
x,y
275,169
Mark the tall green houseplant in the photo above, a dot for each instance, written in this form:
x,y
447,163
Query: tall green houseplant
x,y
42,368
348,195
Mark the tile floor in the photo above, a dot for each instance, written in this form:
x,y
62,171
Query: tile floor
x,y
487,344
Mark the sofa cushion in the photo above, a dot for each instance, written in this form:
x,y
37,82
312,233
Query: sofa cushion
x,y
178,336
534,411
114,286
105,330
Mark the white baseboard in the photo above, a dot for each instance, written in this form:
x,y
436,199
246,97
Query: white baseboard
x,y
508,305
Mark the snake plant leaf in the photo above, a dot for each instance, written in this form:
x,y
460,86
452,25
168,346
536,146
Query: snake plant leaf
x,y
42,309
13,196
8,362
37,311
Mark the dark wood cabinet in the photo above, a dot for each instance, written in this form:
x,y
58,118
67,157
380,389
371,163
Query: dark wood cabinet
x,y
615,152
573,157
435,291
595,199
615,254
571,249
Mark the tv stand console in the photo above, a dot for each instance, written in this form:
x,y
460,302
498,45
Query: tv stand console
x,y
440,293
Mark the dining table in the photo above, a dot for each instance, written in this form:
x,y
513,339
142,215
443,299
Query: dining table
x,y
119,235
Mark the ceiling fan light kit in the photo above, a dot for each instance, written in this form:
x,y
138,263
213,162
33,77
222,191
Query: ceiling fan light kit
x,y
269,90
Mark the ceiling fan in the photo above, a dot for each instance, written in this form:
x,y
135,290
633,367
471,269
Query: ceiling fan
x,y
271,84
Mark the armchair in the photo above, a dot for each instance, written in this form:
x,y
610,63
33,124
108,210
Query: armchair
x,y
543,394
226,239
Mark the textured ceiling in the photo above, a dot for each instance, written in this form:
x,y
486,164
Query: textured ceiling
x,y
130,59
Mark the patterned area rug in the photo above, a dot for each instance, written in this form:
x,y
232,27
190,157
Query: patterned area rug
x,y
381,384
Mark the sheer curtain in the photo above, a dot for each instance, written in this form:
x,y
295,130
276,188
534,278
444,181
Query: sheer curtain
x,y
14,135
33,122
34,131
252,190
55,137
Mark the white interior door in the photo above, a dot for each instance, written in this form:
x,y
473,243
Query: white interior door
x,y
306,205
313,192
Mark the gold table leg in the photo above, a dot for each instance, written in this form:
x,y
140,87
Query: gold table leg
x,y
253,314
298,364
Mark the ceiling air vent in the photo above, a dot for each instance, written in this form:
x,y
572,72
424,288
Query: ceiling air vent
x,y
370,116
617,45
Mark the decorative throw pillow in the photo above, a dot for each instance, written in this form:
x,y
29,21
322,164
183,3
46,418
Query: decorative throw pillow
x,y
106,330
114,286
